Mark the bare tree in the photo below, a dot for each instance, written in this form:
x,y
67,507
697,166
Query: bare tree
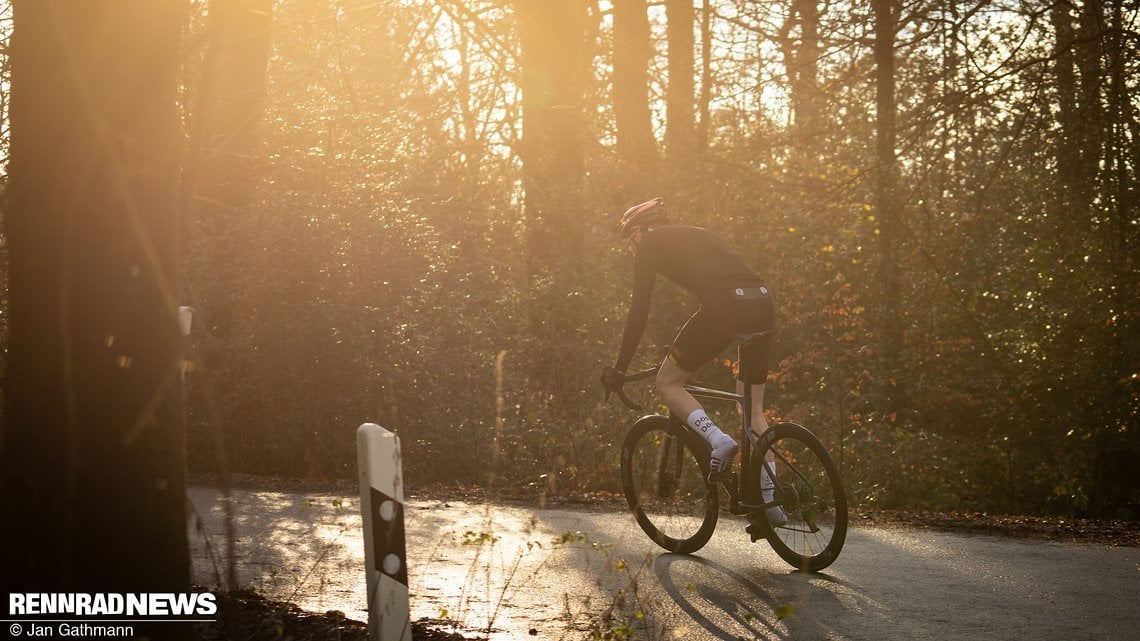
x,y
680,98
554,67
800,43
636,146
886,202
704,99
222,171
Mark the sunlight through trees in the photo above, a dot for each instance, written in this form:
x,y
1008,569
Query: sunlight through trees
x,y
381,197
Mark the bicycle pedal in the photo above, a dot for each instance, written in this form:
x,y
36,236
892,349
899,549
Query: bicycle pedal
x,y
753,531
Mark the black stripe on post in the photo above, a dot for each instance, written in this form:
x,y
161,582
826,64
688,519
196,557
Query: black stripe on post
x,y
388,546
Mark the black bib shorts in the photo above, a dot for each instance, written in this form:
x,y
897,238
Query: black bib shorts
x,y
723,314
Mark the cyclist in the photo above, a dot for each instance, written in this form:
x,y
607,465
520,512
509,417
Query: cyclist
x,y
733,299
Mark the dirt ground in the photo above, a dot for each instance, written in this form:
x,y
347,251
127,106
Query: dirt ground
x,y
247,616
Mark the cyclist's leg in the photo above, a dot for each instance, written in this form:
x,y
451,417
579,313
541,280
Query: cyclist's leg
x,y
696,344
776,515
759,425
759,421
670,381
753,367
755,315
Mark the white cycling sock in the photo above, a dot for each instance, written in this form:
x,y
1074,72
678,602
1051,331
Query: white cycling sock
x,y
704,426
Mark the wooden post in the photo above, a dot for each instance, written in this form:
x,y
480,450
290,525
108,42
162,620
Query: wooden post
x,y
385,558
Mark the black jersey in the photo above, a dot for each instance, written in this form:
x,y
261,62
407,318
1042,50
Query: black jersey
x,y
694,258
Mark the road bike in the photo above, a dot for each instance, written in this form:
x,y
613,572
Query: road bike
x,y
665,477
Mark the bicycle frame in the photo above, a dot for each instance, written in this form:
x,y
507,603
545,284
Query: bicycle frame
x,y
810,524
738,504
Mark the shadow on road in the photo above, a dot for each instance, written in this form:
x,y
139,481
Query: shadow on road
x,y
765,606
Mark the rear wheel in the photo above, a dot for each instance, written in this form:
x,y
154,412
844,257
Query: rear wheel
x,y
809,489
663,472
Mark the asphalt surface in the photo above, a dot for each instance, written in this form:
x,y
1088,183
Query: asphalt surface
x,y
509,572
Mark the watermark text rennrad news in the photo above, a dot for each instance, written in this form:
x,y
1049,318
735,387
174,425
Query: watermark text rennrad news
x,y
79,604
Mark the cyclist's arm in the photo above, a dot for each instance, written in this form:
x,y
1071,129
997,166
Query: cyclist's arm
x,y
644,276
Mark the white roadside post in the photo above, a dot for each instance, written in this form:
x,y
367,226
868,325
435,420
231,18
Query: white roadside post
x,y
385,559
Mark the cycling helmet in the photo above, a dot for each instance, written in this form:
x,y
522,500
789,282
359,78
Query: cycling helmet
x,y
648,213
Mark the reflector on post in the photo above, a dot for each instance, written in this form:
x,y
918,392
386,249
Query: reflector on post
x,y
385,558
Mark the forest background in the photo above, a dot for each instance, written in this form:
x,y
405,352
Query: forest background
x,y
404,212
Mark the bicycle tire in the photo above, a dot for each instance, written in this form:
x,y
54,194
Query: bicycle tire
x,y
664,472
810,490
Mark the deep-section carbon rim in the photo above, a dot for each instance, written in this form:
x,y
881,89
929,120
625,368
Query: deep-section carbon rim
x,y
809,489
664,479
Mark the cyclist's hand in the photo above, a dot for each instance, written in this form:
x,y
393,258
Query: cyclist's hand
x,y
612,379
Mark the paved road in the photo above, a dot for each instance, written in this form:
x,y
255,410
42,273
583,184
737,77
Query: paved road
x,y
554,574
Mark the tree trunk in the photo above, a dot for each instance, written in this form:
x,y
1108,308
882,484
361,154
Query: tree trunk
x,y
704,111
636,146
680,99
1116,479
91,472
705,98
886,204
554,67
1064,73
555,70
225,155
801,59
1091,29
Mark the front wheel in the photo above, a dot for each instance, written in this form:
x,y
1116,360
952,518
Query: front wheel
x,y
664,467
809,490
